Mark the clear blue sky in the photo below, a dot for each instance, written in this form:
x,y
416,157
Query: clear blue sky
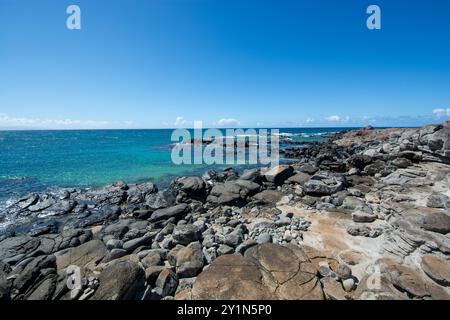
x,y
145,63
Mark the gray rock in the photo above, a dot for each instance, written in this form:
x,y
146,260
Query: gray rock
x,y
121,280
264,238
189,260
279,174
166,283
224,249
438,200
361,216
177,212
131,245
437,222
186,234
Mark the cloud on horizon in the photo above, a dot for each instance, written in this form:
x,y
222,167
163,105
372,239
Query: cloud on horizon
x,y
37,123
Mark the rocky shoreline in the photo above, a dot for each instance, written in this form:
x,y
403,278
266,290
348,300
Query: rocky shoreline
x,y
364,215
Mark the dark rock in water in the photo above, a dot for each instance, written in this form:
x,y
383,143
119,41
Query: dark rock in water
x,y
41,205
107,213
27,201
122,280
186,234
177,212
279,174
59,208
437,222
43,227
166,283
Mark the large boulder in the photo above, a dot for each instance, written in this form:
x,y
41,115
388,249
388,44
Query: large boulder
x,y
176,211
232,192
194,187
186,233
121,280
325,183
88,254
437,269
436,221
279,174
189,260
267,271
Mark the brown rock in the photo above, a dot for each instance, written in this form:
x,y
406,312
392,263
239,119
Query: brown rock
x,y
122,280
437,269
89,253
267,271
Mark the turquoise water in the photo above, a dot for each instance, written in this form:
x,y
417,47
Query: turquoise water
x,y
35,160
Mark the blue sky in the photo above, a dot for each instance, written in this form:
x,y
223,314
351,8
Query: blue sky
x,y
165,63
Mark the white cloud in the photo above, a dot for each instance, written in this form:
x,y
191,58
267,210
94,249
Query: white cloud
x,y
441,112
337,119
228,122
37,123
309,120
179,121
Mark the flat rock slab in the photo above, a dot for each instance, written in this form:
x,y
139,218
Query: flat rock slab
x,y
90,252
267,271
437,269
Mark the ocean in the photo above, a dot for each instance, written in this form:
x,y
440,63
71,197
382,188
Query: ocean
x,y
33,161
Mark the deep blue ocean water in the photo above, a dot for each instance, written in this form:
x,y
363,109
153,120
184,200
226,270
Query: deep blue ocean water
x,y
32,161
